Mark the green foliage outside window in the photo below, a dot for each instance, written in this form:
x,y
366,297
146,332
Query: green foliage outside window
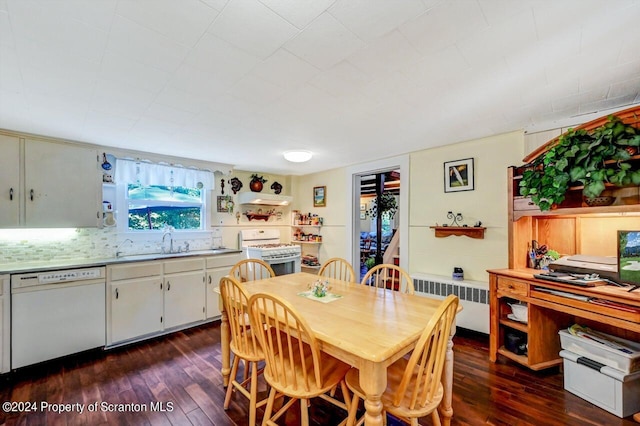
x,y
155,206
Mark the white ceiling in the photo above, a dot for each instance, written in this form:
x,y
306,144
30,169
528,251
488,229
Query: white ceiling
x,y
241,81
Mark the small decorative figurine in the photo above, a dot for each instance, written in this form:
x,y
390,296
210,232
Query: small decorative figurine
x,y
236,185
277,188
256,183
455,217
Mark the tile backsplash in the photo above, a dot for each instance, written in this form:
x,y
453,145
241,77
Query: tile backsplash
x,y
27,245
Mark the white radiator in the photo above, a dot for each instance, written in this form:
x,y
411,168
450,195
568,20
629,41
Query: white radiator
x,y
474,298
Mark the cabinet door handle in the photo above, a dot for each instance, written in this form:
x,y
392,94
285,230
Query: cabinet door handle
x,y
209,279
160,286
117,295
31,195
511,287
11,194
168,285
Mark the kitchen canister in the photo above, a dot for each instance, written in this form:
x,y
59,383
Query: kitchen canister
x,y
458,274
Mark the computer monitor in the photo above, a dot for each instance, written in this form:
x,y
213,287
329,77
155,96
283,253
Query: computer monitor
x,y
629,257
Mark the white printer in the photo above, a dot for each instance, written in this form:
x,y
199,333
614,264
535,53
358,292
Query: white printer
x,y
604,266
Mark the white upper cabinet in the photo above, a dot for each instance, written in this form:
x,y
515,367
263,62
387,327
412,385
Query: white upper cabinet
x,y
9,181
60,185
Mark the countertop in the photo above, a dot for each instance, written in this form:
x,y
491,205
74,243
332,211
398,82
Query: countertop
x,y
39,266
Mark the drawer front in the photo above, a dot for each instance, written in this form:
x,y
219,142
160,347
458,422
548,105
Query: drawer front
x,y
134,270
224,260
183,265
524,204
509,286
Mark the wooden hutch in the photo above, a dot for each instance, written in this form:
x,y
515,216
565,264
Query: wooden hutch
x,y
572,228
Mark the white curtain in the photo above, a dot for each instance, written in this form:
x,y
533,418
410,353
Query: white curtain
x,y
131,171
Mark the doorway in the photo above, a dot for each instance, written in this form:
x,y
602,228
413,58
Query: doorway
x,y
379,204
394,171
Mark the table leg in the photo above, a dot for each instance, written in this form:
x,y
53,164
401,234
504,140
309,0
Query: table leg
x,y
373,381
446,410
225,337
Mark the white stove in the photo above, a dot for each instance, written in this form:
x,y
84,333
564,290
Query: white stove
x,y
265,244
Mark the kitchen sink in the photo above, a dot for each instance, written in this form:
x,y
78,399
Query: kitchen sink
x,y
154,256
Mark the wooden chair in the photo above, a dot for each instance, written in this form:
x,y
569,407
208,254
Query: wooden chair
x,y
390,277
414,385
244,344
251,270
338,268
295,366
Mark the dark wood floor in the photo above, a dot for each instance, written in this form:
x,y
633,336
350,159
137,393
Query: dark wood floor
x,y
182,371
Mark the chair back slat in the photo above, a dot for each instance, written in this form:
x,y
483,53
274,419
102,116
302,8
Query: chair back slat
x,y
390,277
235,301
251,270
292,355
338,268
423,373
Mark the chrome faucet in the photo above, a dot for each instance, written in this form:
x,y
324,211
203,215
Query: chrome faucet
x,y
118,252
168,231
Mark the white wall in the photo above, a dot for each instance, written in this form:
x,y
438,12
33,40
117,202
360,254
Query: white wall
x,y
486,203
428,205
333,230
227,225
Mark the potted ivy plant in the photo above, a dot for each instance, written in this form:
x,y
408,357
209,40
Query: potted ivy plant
x,y
386,203
588,158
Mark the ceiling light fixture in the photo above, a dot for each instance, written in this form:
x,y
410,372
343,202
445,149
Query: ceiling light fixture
x,y
297,156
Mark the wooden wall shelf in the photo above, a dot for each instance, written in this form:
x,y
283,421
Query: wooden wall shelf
x,y
258,216
469,231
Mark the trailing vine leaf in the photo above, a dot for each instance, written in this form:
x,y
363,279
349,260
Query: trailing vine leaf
x,y
579,158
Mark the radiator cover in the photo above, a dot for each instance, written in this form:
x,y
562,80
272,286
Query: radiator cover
x,y
474,298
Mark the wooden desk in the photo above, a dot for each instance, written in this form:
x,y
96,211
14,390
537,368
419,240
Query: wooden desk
x,y
369,328
548,313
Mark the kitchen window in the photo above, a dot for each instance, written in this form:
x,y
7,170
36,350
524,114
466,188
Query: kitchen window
x,y
158,195
156,206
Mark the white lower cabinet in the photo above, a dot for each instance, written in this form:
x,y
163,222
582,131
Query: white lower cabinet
x,y
145,299
218,267
135,298
5,325
184,292
148,298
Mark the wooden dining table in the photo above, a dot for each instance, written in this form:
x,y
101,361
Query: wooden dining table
x,y
366,327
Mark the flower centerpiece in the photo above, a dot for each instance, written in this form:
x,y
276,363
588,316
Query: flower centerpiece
x,y
319,288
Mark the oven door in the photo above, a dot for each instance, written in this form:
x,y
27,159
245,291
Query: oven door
x,y
284,265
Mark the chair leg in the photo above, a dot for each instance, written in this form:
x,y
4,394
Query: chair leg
x,y
345,394
232,378
253,390
269,409
435,418
245,372
304,412
353,411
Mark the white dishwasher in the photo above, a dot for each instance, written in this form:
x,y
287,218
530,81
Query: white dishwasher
x,y
56,313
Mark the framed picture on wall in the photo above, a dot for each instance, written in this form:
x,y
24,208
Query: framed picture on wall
x,y
458,175
225,204
363,207
363,216
320,196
